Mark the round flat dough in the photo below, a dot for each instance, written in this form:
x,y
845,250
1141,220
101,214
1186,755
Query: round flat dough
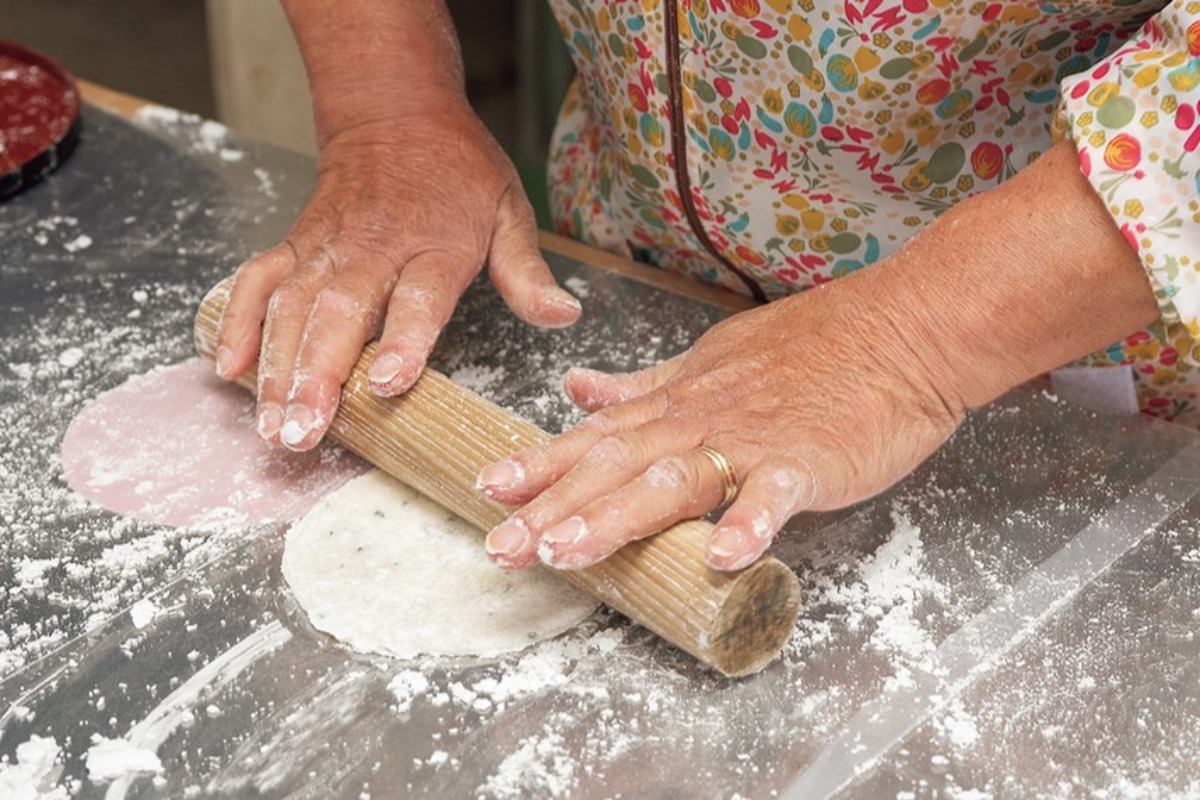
x,y
176,446
385,570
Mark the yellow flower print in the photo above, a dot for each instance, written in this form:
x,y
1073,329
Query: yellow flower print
x,y
773,100
787,224
796,201
1101,94
916,180
799,29
1147,76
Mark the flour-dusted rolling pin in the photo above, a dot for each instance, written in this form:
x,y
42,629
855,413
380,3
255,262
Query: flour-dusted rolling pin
x,y
438,436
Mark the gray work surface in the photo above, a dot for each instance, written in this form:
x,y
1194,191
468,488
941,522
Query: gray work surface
x,y
1018,618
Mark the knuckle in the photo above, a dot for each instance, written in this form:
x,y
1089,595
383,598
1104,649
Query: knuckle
x,y
252,269
673,473
415,297
342,301
601,423
797,483
612,452
291,300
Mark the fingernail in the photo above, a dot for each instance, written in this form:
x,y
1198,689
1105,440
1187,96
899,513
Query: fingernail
x,y
504,475
384,369
508,538
268,421
297,425
224,362
562,298
571,531
726,543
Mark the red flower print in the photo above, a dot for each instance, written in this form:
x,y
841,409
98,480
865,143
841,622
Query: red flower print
x,y
1123,152
987,159
745,8
1185,118
748,255
1130,237
637,98
933,92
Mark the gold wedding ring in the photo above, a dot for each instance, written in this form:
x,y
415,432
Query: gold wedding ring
x,y
725,470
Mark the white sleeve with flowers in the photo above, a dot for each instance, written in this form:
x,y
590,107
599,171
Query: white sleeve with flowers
x,y
1135,120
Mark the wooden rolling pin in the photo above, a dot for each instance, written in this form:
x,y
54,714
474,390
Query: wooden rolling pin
x,y
438,436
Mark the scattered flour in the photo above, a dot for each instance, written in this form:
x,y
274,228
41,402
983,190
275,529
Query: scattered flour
x,y
208,136
478,378
889,585
110,759
406,686
71,357
32,775
80,242
579,286
542,765
143,612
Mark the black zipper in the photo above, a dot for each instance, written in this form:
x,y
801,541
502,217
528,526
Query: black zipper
x,y
679,150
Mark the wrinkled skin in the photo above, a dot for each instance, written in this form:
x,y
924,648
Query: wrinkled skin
x,y
825,399
767,388
818,400
405,214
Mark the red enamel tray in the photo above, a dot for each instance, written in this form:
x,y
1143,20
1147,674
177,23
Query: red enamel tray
x,y
39,116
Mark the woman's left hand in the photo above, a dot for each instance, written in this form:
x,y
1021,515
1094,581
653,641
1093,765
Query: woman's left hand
x,y
824,399
816,401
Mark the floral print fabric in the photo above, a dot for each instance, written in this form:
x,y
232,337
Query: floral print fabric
x,y
792,142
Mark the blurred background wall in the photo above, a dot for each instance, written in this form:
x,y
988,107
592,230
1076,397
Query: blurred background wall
x,y
236,61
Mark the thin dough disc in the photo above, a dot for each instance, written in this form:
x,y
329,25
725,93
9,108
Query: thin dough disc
x,y
385,570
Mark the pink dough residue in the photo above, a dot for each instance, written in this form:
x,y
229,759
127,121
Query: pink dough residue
x,y
176,446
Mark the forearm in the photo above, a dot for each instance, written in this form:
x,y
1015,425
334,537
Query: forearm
x,y
374,60
1015,282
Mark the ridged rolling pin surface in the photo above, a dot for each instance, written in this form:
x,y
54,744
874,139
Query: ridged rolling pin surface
x,y
438,436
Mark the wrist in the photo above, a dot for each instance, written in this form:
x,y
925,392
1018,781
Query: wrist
x,y
376,60
1015,282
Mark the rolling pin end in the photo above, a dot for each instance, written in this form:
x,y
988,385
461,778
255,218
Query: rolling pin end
x,y
755,621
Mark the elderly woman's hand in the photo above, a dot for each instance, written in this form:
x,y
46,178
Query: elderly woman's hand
x,y
827,398
404,215
816,400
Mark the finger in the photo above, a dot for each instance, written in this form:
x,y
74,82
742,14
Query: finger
x,y
768,498
519,272
524,474
240,332
287,314
593,390
672,489
612,463
344,315
421,305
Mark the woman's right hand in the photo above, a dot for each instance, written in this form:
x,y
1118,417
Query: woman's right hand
x,y
405,214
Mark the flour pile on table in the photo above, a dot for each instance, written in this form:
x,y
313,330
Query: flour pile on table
x,y
32,772
387,571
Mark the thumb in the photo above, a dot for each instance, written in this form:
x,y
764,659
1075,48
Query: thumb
x,y
518,270
593,390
